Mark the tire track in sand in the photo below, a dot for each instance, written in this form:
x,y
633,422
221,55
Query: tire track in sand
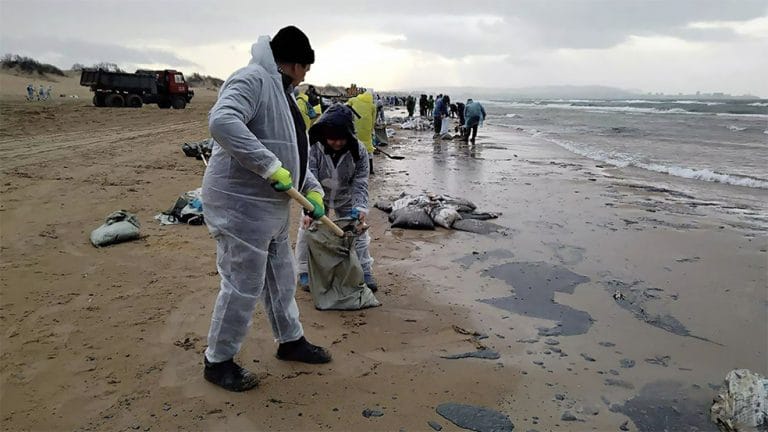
x,y
27,151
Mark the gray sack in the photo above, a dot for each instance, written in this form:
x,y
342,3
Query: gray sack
x,y
335,275
120,226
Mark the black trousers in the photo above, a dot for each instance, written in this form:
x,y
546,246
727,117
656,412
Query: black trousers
x,y
472,130
438,124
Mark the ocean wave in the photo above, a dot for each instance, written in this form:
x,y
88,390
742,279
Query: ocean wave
x,y
622,160
573,100
605,109
707,175
735,128
697,102
640,106
666,101
763,116
511,115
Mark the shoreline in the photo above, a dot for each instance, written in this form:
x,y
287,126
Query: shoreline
x,y
112,338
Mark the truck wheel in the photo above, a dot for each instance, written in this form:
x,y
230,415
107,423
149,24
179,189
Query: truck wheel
x,y
179,103
133,101
164,105
115,101
98,100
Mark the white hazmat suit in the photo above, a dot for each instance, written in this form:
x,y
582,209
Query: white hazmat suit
x,y
254,135
346,188
344,180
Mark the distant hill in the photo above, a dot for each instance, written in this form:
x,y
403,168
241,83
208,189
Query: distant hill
x,y
205,81
27,65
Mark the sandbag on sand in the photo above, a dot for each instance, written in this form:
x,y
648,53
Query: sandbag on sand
x,y
411,218
119,227
444,215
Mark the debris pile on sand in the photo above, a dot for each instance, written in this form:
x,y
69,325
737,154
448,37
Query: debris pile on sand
x,y
426,210
415,123
198,150
743,403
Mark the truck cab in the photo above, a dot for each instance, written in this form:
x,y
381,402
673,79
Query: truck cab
x,y
172,88
172,80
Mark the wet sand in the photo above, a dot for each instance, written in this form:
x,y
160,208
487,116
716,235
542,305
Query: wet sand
x,y
592,268
112,339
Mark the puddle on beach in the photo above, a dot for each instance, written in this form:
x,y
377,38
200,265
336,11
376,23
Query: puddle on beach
x,y
535,284
669,406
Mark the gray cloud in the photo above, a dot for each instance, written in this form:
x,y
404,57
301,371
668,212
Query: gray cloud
x,y
545,24
66,52
591,24
527,33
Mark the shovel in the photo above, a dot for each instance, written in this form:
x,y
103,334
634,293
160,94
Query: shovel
x,y
293,193
389,155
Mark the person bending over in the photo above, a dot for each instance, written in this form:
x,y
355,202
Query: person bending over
x,y
340,163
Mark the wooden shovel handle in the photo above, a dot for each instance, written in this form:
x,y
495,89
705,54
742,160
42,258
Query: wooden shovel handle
x,y
293,193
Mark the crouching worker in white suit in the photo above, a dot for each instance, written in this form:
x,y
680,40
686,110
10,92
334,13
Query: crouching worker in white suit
x,y
260,151
340,163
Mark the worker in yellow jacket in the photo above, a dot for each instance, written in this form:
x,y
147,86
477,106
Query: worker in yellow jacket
x,y
366,110
308,112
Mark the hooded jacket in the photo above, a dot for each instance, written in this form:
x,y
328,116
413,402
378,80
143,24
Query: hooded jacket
x,y
474,113
343,174
365,108
254,134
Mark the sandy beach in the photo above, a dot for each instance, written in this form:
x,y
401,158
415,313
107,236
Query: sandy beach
x,y
657,296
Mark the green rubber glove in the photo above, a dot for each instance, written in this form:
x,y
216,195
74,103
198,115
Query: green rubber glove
x,y
317,200
281,180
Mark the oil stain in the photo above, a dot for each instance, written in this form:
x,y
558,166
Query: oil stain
x,y
641,301
668,406
535,284
468,260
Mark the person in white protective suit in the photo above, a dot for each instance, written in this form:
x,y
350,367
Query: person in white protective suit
x,y
260,151
340,163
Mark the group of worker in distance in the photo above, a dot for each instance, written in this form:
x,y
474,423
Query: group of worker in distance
x,y
266,142
42,94
471,115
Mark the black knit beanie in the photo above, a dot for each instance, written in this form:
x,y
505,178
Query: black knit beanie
x,y
291,45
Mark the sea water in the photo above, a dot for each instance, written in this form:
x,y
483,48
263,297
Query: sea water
x,y
713,149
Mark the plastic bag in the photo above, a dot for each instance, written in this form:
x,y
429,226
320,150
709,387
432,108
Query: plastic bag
x,y
335,276
188,209
444,126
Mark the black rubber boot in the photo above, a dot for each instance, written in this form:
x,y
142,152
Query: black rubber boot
x,y
303,351
370,281
229,376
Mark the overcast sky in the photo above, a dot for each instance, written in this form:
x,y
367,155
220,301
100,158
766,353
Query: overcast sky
x,y
649,45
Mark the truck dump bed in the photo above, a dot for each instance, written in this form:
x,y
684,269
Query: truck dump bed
x,y
104,80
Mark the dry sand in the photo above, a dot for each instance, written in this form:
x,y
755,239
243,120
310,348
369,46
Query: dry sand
x,y
112,339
